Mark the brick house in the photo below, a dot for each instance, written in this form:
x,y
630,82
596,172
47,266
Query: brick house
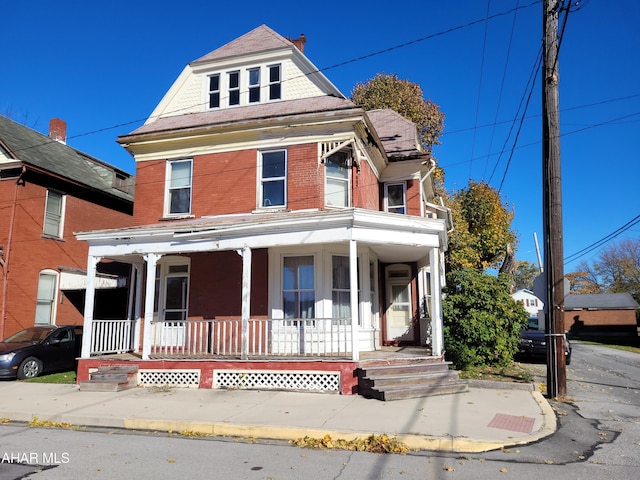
x,y
601,314
279,230
48,191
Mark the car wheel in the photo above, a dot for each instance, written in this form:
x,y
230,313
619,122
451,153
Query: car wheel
x,y
31,367
568,357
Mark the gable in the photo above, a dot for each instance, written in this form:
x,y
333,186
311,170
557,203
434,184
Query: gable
x,y
233,66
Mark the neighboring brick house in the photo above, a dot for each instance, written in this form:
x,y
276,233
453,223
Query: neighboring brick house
x,y
48,191
274,221
600,314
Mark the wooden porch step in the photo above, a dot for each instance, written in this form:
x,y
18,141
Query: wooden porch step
x,y
112,378
419,378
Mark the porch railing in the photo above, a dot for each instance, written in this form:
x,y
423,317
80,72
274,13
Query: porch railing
x,y
111,336
319,337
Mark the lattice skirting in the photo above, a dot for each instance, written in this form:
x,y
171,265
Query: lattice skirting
x,y
174,378
277,380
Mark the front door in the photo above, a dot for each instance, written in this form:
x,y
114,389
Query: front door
x,y
175,298
399,312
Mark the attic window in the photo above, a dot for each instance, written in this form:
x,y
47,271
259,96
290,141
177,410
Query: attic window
x,y
275,87
214,91
121,182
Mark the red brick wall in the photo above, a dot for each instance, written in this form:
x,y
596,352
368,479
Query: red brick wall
x,y
306,178
366,188
29,252
216,284
599,317
413,198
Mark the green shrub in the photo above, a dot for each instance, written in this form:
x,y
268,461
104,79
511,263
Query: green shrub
x,y
482,322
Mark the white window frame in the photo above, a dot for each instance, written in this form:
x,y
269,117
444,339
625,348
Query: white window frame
x,y
338,179
52,219
262,180
233,90
254,87
393,208
216,92
272,83
292,321
47,302
169,188
163,272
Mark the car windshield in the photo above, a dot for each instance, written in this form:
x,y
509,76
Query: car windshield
x,y
30,335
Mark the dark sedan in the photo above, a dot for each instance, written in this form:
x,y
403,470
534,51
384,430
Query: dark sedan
x,y
533,344
40,349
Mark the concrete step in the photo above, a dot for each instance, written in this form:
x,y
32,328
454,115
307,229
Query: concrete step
x,y
111,378
398,380
414,391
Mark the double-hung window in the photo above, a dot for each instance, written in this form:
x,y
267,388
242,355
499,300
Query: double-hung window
x,y
214,91
395,196
47,282
54,214
298,287
233,79
273,178
341,287
338,179
179,187
275,87
254,85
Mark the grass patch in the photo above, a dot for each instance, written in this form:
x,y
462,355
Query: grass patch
x,y
67,378
516,372
626,348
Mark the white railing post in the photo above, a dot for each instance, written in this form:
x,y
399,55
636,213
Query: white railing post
x,y
89,302
353,279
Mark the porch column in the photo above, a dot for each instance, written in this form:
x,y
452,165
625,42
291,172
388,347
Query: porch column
x,y
437,337
89,302
137,308
353,283
151,260
246,299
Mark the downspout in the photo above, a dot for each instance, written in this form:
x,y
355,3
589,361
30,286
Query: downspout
x,y
4,263
422,180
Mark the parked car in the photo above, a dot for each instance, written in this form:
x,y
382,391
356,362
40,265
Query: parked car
x,y
533,344
40,349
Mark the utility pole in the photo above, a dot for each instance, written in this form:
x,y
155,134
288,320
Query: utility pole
x,y
552,206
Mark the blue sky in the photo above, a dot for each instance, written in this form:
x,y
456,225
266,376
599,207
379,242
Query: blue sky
x,y
103,67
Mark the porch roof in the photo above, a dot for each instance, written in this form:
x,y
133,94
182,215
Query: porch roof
x,y
393,237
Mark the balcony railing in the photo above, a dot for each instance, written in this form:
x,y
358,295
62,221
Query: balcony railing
x,y
111,336
319,337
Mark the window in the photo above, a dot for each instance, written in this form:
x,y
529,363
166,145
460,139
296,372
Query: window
x,y
273,178
234,88
298,287
179,191
338,175
53,216
46,297
214,91
275,89
254,85
176,292
395,196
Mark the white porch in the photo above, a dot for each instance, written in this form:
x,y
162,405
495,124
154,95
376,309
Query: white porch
x,y
365,237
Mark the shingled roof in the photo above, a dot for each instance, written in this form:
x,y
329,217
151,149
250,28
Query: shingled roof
x,y
260,39
600,301
398,135
37,150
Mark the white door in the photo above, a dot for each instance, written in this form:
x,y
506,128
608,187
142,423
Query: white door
x,y
399,321
176,294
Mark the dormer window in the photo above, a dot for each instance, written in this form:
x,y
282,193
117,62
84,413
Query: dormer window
x,y
234,88
244,87
274,82
254,85
214,91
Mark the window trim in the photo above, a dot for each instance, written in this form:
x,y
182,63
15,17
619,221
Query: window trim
x,y
51,216
270,83
52,303
214,92
387,207
233,90
293,321
254,87
261,180
347,181
168,189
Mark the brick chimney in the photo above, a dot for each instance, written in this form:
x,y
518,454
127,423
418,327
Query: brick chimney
x,y
299,42
58,130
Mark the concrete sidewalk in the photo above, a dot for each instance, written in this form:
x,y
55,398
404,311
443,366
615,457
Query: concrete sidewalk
x,y
479,420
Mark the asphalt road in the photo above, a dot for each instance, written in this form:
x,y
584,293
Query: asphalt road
x,y
598,437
